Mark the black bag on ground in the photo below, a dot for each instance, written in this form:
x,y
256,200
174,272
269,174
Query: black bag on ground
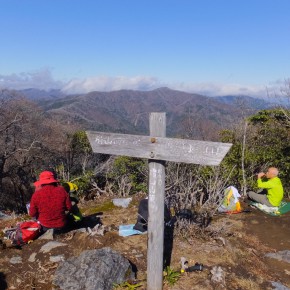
x,y
142,219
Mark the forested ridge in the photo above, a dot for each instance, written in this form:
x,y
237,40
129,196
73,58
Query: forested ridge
x,y
127,111
33,139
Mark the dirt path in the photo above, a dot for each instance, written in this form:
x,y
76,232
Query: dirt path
x,y
235,243
273,232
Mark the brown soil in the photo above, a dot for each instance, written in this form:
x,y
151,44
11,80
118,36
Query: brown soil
x,y
237,243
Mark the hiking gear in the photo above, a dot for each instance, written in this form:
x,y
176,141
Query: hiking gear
x,y
128,230
23,233
185,214
230,203
37,184
71,189
76,213
186,268
196,267
46,177
142,219
274,211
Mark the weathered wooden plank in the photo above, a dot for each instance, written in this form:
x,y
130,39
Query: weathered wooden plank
x,y
159,148
157,123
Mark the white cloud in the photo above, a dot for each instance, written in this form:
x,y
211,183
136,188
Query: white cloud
x,y
104,83
218,89
40,79
143,83
43,79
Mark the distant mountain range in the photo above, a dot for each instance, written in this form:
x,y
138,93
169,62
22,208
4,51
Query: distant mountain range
x,y
246,102
127,111
35,94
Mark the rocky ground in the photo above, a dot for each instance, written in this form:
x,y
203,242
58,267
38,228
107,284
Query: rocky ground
x,y
232,250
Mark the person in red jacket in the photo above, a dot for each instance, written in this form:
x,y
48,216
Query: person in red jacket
x,y
50,202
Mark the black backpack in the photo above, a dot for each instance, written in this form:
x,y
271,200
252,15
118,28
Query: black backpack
x,y
142,219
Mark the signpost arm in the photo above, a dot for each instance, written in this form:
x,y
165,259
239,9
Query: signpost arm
x,y
156,208
157,148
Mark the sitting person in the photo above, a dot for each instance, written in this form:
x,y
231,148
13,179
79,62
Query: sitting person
x,y
49,203
71,189
271,190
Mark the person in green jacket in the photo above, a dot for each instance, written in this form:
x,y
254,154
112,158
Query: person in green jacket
x,y
271,190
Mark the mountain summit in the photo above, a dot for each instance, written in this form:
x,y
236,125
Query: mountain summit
x,y
127,111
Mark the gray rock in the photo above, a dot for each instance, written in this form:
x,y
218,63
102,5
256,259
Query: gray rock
x,y
93,270
4,216
218,275
281,256
81,230
32,257
56,259
279,286
48,235
123,202
51,245
16,260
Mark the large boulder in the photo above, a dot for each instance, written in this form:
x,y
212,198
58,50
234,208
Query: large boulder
x,y
93,270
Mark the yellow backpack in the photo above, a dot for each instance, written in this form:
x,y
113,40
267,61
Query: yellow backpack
x,y
230,203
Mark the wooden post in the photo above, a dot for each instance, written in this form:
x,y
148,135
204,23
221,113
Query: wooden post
x,y
158,149
156,208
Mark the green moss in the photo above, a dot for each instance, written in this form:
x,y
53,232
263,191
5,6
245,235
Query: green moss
x,y
107,206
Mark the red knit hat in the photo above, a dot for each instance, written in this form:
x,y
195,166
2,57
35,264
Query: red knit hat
x,y
46,177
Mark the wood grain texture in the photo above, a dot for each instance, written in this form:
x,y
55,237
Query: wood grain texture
x,y
159,148
157,127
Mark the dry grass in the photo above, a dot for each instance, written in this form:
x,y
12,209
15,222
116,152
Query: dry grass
x,y
245,284
223,243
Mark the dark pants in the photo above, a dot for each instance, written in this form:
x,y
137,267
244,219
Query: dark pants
x,y
56,231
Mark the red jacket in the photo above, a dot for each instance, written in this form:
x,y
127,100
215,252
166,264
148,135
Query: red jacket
x,y
48,206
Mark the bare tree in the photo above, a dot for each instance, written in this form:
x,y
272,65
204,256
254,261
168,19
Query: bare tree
x,y
286,94
194,187
29,142
282,98
197,127
18,142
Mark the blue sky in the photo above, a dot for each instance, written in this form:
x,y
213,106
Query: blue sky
x,y
212,47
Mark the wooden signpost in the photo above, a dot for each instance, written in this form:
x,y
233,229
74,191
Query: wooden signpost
x,y
158,149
